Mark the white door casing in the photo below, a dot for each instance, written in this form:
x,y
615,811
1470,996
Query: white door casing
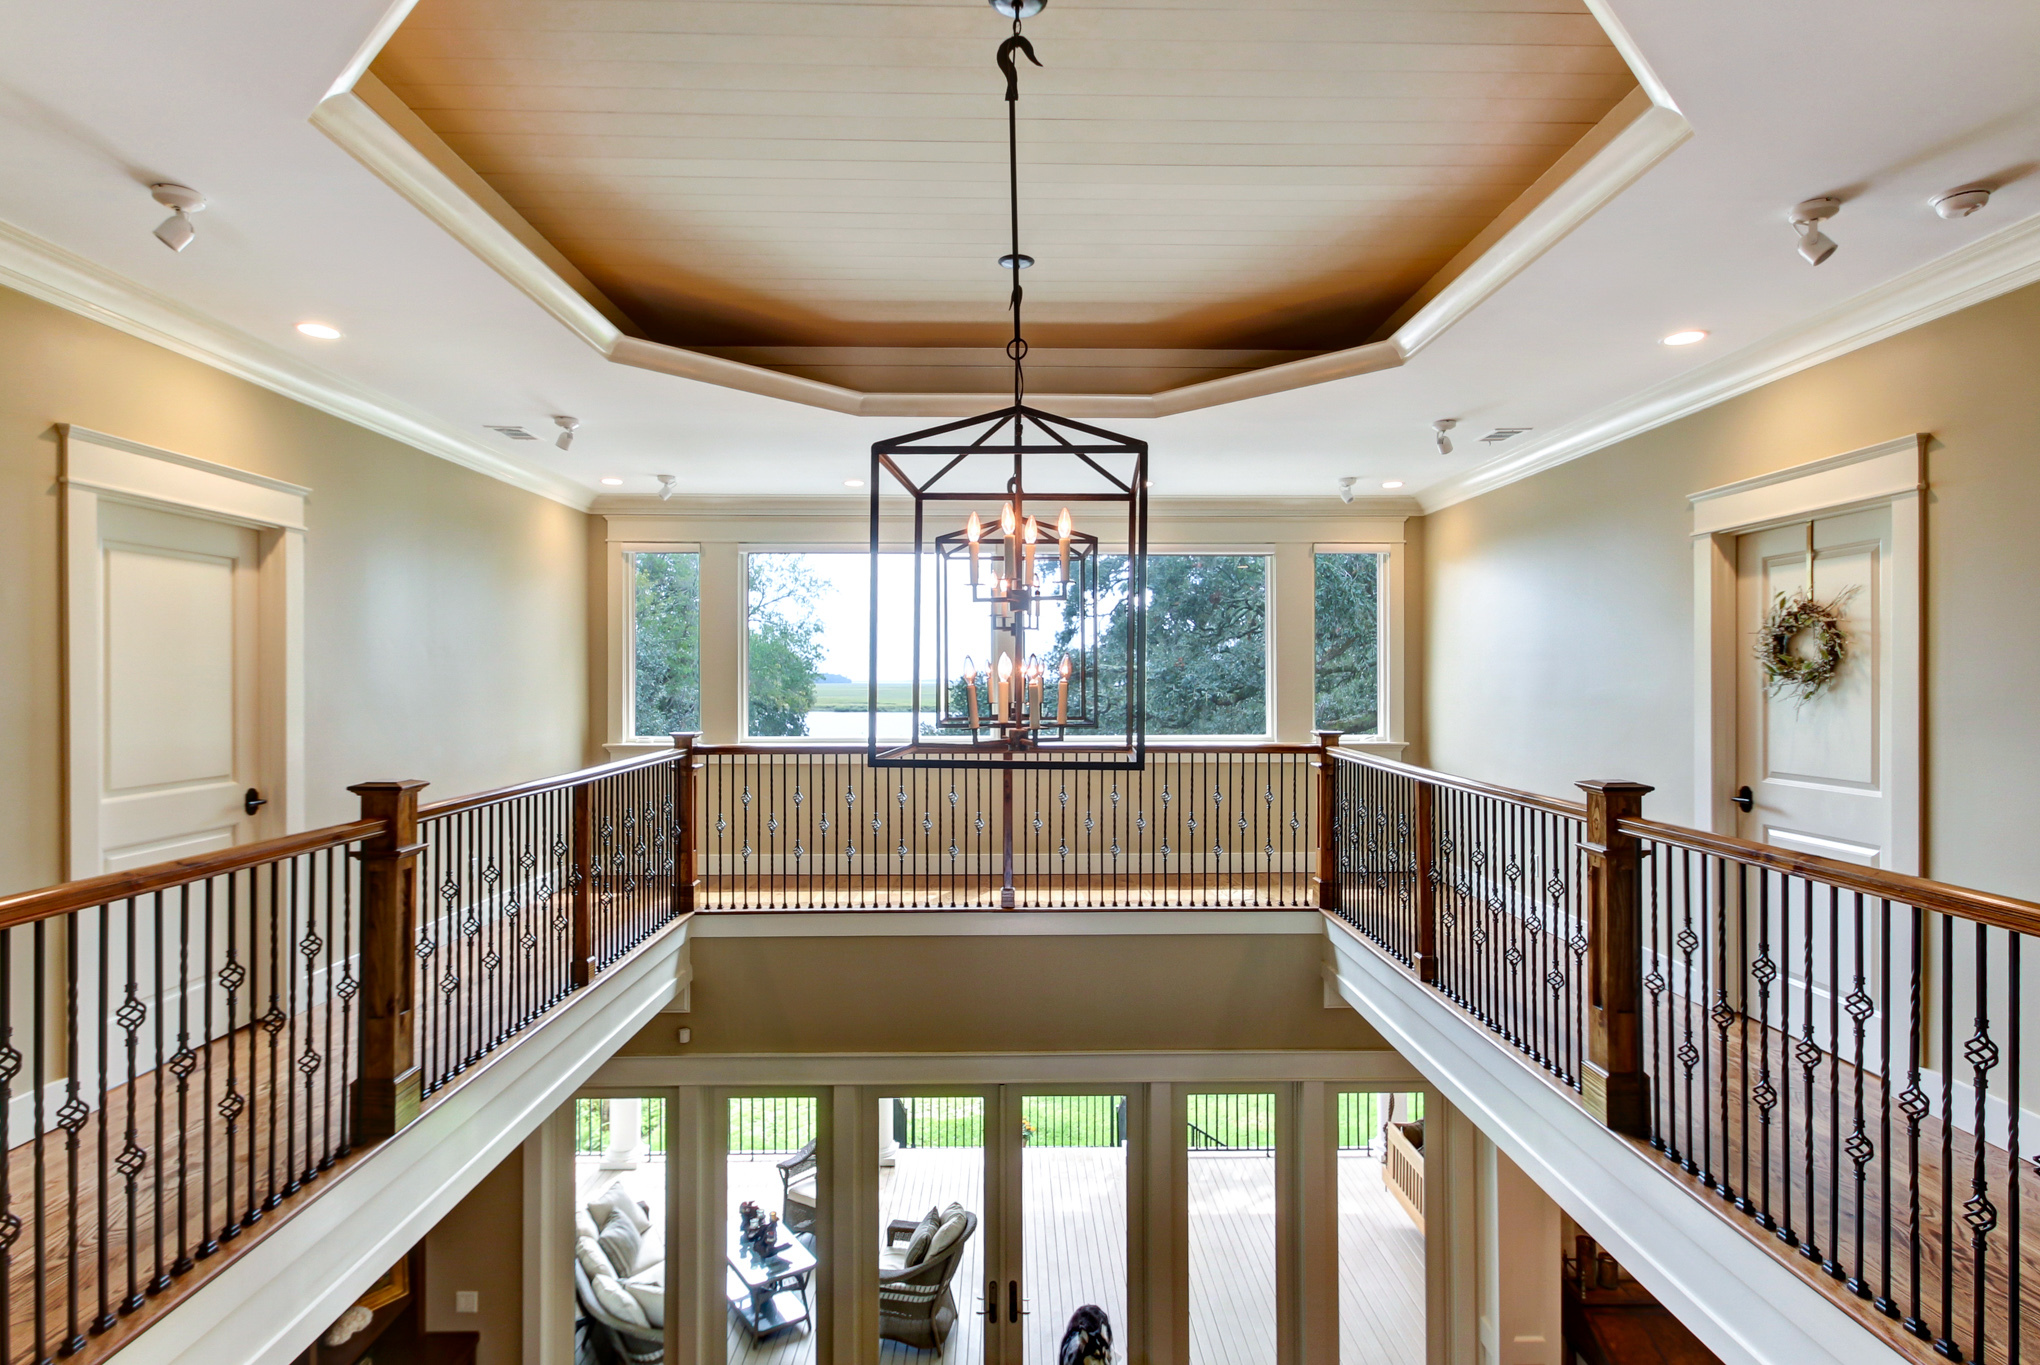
x,y
1889,481
183,588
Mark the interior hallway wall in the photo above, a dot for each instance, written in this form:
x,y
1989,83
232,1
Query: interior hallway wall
x,y
1559,624
479,1248
445,612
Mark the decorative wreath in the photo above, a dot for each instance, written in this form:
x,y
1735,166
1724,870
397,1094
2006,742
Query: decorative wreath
x,y
1787,673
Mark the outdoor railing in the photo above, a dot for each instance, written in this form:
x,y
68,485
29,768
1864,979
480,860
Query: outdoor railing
x,y
190,1046
811,827
1834,1053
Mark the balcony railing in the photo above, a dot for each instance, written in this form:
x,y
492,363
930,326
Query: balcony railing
x,y
192,1047
1832,1054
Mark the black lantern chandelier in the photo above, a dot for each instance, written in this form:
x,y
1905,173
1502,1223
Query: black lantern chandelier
x,y
1037,652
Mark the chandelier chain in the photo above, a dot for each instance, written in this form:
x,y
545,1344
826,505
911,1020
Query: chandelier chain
x,y
1017,347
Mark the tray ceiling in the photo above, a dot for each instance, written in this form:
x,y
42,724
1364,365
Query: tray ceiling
x,y
819,186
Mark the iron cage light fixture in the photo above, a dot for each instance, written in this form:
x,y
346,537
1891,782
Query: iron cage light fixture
x,y
1020,597
999,581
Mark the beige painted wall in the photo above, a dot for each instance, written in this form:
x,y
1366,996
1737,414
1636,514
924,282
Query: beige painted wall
x,y
1221,992
479,1246
1559,629
445,612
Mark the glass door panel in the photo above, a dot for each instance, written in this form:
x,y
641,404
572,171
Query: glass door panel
x,y
1381,1234
772,1172
931,1274
620,1233
1231,1160
1073,1217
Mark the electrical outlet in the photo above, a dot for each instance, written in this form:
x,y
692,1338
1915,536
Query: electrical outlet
x,y
467,1301
687,1035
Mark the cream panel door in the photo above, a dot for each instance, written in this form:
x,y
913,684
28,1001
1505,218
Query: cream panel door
x,y
178,712
1818,772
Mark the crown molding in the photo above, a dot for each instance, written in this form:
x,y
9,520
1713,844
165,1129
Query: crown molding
x,y
373,126
2006,260
46,271
833,509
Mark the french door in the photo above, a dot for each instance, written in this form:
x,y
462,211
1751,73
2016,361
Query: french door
x,y
1040,1175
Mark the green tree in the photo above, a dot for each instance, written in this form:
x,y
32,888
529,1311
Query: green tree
x,y
1348,643
1207,644
668,643
786,643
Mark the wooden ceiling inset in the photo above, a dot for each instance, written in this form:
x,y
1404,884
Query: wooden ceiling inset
x,y
1215,175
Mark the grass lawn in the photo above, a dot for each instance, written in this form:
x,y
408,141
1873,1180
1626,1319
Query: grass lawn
x,y
855,696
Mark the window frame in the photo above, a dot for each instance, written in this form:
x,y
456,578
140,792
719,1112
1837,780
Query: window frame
x,y
1388,649
623,630
1270,556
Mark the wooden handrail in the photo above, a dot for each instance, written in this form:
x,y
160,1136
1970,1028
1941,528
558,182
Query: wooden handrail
x,y
1573,809
456,804
1983,907
65,897
1189,747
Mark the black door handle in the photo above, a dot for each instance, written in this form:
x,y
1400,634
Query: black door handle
x,y
253,801
1744,799
1012,1300
992,1300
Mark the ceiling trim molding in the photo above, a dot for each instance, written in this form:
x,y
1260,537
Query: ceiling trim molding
x,y
2006,260
374,127
46,271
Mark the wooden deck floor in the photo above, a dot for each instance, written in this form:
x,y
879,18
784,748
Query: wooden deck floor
x,y
1075,1238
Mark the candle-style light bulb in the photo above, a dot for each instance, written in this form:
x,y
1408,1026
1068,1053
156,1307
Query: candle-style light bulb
x,y
970,686
1032,706
973,530
1063,527
1062,693
1028,538
1005,682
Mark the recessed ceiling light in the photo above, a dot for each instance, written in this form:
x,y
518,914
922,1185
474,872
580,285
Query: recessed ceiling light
x,y
853,483
319,330
1391,483
614,483
1685,338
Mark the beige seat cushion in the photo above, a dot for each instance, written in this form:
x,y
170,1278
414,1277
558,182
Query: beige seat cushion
x,y
612,1298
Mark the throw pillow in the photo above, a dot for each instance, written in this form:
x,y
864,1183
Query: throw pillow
x,y
917,1245
594,1260
622,1243
612,1298
585,1224
649,1289
948,1235
615,1199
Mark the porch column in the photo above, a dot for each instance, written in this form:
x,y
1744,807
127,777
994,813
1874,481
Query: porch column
x,y
626,1135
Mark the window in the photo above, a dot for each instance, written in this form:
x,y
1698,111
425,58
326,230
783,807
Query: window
x,y
1348,655
1207,643
666,625
807,664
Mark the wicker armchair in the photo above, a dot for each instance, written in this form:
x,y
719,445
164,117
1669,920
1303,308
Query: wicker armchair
x,y
915,1306
616,1341
797,1192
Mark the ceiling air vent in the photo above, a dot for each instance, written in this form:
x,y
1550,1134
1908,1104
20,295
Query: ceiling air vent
x,y
1503,434
514,433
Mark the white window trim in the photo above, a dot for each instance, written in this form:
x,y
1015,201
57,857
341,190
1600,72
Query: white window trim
x,y
621,701
1391,702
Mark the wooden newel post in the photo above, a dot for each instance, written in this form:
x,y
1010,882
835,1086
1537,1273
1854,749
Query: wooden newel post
x,y
581,882
684,880
1327,805
388,1094
1614,1086
1425,837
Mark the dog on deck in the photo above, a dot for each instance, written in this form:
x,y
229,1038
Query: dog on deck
x,y
1088,1340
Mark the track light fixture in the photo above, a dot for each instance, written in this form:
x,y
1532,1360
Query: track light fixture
x,y
1440,427
1806,218
176,231
568,426
1346,489
1961,203
666,482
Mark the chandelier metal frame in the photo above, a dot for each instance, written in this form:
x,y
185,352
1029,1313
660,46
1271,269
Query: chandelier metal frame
x,y
984,720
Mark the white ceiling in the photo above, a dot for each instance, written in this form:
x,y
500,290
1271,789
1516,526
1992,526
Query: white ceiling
x,y
1883,101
